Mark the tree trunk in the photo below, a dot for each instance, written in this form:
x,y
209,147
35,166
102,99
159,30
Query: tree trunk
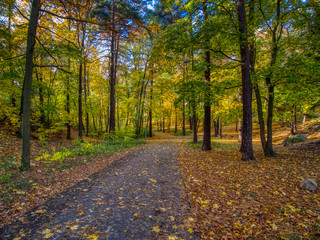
x,y
86,94
206,145
194,122
150,110
240,120
80,124
68,92
247,152
217,127
176,122
11,67
274,52
41,100
112,120
190,118
183,118
26,133
295,120
220,129
163,125
269,147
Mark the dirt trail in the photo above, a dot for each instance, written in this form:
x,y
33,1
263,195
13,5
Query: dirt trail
x,y
140,196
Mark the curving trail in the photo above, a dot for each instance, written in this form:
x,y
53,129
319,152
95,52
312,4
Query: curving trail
x,y
140,196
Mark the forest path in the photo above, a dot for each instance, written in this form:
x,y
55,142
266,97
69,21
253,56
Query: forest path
x,y
140,196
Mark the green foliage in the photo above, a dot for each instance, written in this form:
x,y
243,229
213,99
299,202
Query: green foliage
x,y
124,133
5,165
116,145
8,116
216,144
84,148
180,133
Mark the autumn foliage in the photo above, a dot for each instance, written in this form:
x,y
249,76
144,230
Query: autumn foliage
x,y
232,199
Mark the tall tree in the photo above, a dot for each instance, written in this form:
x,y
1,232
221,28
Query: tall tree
x,y
206,145
122,17
26,130
247,151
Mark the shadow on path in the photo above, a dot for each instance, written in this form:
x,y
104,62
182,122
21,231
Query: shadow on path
x,y
140,196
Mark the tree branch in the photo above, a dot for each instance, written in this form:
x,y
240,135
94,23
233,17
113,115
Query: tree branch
x,y
59,36
6,59
25,17
53,66
38,40
219,51
77,20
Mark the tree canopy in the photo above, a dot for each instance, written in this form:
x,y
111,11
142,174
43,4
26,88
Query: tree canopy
x,y
116,66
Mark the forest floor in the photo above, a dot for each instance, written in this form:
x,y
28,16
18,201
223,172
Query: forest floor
x,y
230,199
233,199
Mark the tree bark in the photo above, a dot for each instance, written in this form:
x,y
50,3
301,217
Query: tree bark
x,y
86,93
176,122
268,151
247,152
194,122
150,110
80,123
183,118
26,132
68,125
206,145
112,120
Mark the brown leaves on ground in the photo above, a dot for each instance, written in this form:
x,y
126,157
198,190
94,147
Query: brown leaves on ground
x,y
40,183
232,199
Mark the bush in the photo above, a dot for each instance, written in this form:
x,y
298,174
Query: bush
x,y
179,133
125,133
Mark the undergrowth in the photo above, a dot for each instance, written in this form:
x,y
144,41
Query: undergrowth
x,y
216,144
65,157
180,133
13,182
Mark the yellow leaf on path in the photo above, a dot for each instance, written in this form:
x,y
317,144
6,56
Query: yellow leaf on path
x,y
190,230
75,227
274,226
229,203
47,233
41,211
156,229
216,206
174,226
171,218
172,237
93,237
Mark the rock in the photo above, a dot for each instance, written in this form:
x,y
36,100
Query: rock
x,y
309,184
294,139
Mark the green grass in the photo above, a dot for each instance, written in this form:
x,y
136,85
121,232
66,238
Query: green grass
x,y
179,133
116,145
217,144
66,158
